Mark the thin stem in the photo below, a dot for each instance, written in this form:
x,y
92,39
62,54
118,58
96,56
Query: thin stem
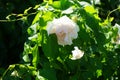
x,y
112,12
24,15
11,20
93,3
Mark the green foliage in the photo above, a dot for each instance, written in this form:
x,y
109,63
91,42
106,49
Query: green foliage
x,y
18,72
45,59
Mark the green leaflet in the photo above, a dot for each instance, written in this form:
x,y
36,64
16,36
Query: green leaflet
x,y
50,45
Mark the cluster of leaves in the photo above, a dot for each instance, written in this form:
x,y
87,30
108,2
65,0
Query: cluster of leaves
x,y
44,59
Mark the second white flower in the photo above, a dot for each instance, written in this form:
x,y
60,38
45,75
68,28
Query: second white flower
x,y
77,53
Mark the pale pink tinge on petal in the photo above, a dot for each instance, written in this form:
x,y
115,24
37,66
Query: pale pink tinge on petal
x,y
65,29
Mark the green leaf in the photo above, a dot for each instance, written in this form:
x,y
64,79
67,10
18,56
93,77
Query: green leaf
x,y
48,16
49,74
90,9
33,29
65,4
72,65
48,1
50,45
99,72
93,24
36,18
35,54
56,4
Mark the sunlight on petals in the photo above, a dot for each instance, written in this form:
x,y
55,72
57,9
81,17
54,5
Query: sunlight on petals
x,y
65,29
77,53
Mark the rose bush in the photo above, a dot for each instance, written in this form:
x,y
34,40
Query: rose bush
x,y
49,53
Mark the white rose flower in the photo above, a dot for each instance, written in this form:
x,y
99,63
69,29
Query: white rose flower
x,y
77,54
65,30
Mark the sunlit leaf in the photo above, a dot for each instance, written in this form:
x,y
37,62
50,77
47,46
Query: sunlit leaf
x,y
99,73
56,4
36,18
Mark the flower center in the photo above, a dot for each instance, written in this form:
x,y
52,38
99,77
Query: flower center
x,y
61,35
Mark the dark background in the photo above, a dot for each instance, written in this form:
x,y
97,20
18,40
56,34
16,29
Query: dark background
x,y
13,34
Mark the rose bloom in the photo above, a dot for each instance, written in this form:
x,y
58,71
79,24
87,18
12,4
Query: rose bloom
x,y
77,54
65,30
